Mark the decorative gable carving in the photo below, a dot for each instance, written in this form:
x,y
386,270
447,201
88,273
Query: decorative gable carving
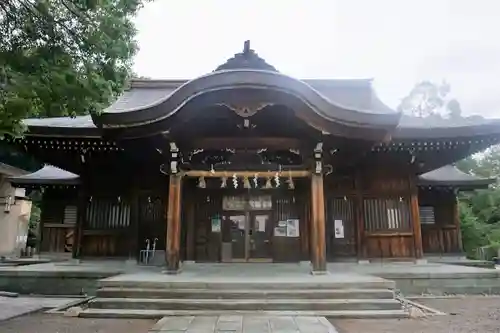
x,y
246,111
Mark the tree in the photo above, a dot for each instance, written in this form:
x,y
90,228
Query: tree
x,y
62,57
486,165
480,210
429,99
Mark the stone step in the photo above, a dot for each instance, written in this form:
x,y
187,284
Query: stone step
x,y
245,294
157,314
245,304
259,285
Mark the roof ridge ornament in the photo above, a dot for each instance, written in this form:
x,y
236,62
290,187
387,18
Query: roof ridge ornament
x,y
246,47
247,59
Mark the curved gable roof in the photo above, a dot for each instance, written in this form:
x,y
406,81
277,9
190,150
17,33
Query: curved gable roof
x,y
344,106
355,107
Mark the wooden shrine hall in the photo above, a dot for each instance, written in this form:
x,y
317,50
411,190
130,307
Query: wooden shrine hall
x,y
248,164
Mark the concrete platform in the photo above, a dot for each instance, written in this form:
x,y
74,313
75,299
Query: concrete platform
x,y
70,278
251,275
430,278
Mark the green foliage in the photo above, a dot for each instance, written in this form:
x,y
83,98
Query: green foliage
x,y
480,210
35,216
473,232
62,57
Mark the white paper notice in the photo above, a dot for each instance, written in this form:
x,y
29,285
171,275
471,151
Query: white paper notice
x,y
261,222
292,228
280,231
339,229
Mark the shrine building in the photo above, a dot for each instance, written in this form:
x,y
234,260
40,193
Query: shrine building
x,y
247,164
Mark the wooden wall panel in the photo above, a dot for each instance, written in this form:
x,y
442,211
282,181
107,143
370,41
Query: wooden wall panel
x,y
105,245
106,227
440,240
397,245
442,237
381,213
57,238
381,183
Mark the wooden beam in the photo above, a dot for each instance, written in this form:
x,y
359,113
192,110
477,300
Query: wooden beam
x,y
318,246
173,224
250,174
415,220
247,143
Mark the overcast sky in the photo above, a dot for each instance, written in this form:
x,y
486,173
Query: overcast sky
x,y
396,42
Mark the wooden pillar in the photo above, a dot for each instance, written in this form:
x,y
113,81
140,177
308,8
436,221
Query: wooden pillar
x,y
43,210
174,224
415,220
191,230
359,218
317,222
318,254
456,221
81,209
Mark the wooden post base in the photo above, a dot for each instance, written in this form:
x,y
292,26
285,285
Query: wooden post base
x,y
324,272
173,263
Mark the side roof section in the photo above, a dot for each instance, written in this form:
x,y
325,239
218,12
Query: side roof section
x,y
48,175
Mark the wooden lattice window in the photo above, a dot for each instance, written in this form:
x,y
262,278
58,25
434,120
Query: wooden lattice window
x,y
104,213
70,213
427,215
386,214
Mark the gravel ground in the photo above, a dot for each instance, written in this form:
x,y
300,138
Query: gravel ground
x,y
471,314
56,323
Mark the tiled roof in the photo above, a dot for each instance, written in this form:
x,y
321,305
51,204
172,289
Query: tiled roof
x,y
47,175
449,175
76,122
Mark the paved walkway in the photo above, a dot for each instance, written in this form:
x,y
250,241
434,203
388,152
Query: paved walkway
x,y
243,324
16,306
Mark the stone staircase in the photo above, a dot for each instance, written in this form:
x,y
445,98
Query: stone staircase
x,y
147,299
